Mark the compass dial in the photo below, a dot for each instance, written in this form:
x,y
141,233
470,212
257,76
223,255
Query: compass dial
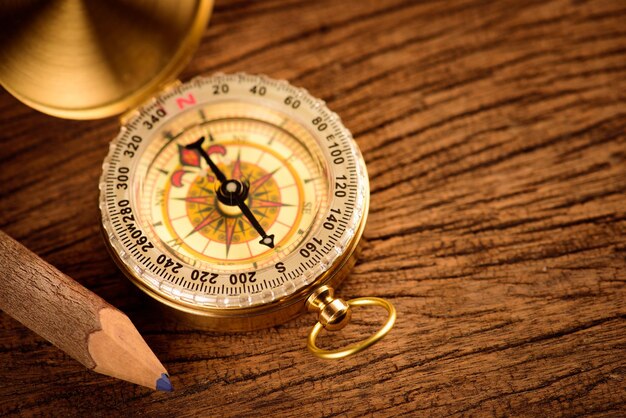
x,y
232,192
278,162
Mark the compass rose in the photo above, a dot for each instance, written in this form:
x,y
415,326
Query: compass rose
x,y
236,209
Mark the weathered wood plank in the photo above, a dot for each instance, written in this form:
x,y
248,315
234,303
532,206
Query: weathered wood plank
x,y
495,140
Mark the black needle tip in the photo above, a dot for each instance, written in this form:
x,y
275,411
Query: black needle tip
x,y
268,240
195,145
198,147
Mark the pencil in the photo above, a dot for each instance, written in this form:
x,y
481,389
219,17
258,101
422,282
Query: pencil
x,y
75,319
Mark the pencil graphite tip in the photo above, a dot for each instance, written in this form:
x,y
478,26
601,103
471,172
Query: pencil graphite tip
x,y
163,383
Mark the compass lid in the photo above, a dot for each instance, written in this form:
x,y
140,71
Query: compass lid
x,y
82,59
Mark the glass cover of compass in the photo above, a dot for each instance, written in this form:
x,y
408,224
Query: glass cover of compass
x,y
233,196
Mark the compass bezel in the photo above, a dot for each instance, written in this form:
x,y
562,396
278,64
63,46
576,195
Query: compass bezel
x,y
240,311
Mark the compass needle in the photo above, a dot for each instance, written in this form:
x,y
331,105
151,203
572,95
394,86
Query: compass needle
x,y
266,239
197,146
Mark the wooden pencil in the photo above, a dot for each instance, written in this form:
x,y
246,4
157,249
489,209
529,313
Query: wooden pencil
x,y
75,319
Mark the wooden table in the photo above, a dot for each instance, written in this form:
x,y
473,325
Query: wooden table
x,y
495,136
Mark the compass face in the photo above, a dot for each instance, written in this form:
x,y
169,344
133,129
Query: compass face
x,y
232,191
278,161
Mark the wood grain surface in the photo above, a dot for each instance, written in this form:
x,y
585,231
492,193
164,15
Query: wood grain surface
x,y
495,137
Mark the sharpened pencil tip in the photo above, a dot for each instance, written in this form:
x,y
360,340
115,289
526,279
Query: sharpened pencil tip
x,y
163,383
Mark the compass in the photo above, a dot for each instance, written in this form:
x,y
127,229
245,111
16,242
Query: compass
x,y
238,202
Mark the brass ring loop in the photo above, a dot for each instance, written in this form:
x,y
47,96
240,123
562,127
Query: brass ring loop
x,y
362,345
